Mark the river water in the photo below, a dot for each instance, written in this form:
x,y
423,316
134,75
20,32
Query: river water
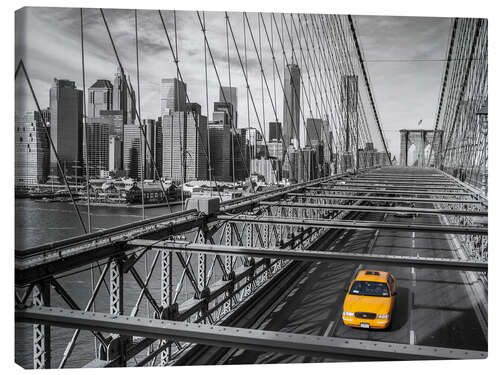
x,y
41,222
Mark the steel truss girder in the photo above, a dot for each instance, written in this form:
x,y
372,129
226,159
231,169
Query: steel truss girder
x,y
258,340
41,264
392,185
43,261
385,199
397,181
396,177
358,225
375,190
310,255
41,332
473,190
378,208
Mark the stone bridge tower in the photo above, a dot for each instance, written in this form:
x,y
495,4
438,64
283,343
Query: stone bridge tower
x,y
421,139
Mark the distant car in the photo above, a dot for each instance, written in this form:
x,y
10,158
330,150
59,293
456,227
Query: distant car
x,y
405,213
370,300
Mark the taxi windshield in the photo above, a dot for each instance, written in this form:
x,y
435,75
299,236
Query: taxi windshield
x,y
369,288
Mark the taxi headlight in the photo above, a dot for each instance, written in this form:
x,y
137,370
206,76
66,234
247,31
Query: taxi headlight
x,y
348,313
383,316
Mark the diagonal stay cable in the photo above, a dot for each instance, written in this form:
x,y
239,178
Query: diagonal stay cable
x,y
47,134
127,85
367,82
220,84
176,61
273,103
231,120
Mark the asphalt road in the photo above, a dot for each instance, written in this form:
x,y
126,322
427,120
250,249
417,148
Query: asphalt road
x,y
433,307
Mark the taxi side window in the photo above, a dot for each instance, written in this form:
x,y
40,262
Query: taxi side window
x,y
391,283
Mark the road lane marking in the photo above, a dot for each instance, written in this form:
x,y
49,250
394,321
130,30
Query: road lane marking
x,y
329,328
411,298
413,239
413,277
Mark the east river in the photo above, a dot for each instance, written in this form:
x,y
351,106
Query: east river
x,y
39,222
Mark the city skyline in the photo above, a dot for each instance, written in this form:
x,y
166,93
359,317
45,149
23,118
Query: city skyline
x,y
426,36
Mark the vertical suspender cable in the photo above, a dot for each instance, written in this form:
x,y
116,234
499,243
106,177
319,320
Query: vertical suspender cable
x,y
260,60
52,146
195,118
204,29
249,156
141,148
262,83
233,112
274,69
134,106
245,74
370,95
85,139
181,142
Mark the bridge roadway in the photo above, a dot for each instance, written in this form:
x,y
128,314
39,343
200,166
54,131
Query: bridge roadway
x,y
434,307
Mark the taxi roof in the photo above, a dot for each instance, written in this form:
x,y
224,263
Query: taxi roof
x,y
372,275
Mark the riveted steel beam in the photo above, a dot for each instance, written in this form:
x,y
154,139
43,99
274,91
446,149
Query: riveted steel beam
x,y
310,255
385,199
379,190
433,211
242,338
359,224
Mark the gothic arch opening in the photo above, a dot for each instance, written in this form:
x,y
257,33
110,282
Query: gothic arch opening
x,y
412,155
427,151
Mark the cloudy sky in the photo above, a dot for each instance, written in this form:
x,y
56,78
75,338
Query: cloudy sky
x,y
404,60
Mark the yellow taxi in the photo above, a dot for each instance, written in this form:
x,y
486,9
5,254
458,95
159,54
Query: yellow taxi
x,y
370,300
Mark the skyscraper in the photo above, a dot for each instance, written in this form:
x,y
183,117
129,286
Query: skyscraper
x,y
114,119
97,151
275,149
31,150
172,96
349,96
122,99
254,139
115,154
291,104
66,108
185,134
241,159
275,133
174,134
196,146
220,149
100,97
159,149
132,151
229,95
152,155
314,128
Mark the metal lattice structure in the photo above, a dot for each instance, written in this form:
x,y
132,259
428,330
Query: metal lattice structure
x,y
462,113
264,239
